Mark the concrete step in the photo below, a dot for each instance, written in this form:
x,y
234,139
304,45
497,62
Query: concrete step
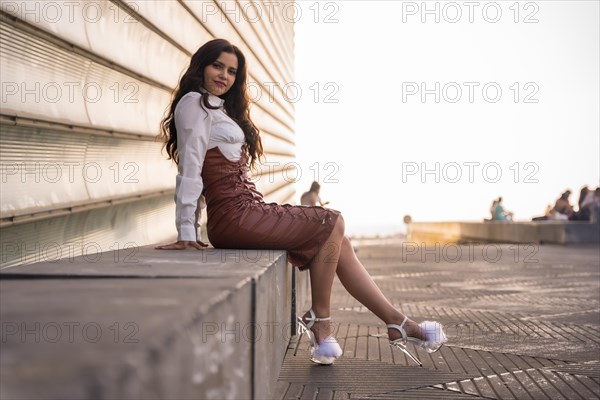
x,y
147,324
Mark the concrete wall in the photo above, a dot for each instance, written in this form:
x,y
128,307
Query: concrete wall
x,y
557,232
84,86
148,325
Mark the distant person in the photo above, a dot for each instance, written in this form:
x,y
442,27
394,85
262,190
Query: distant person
x,y
591,205
562,208
311,198
582,213
547,214
582,194
548,211
500,214
595,206
493,208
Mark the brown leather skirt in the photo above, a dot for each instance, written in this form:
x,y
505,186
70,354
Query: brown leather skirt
x,y
238,218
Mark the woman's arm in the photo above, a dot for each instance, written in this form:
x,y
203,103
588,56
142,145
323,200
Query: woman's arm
x,y
321,202
193,125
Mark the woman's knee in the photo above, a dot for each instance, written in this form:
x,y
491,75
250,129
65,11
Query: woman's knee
x,y
340,225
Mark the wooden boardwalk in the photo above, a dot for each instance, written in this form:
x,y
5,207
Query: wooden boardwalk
x,y
523,322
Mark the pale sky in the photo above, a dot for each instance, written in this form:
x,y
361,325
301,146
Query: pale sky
x,y
540,132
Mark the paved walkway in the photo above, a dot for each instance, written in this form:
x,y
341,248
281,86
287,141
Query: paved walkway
x,y
523,322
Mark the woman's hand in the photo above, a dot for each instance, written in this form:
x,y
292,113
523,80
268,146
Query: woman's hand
x,y
182,245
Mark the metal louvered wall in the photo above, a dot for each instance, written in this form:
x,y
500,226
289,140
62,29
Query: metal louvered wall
x,y
84,87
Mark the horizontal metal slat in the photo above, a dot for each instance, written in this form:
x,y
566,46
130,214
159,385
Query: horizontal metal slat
x,y
99,27
44,169
154,15
24,216
260,18
112,227
268,123
35,123
275,145
260,73
112,100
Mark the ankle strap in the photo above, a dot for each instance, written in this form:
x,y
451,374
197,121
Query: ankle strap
x,y
312,319
400,327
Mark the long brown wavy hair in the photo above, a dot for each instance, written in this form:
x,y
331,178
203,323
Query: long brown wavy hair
x,y
236,99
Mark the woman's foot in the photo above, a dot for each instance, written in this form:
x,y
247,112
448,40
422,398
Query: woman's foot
x,y
428,335
321,329
411,327
324,348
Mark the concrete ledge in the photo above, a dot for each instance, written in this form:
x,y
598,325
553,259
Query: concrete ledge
x,y
153,325
555,232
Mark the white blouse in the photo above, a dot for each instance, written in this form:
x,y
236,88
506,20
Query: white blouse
x,y
199,129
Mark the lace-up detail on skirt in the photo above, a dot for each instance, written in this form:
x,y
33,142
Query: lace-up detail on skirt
x,y
239,218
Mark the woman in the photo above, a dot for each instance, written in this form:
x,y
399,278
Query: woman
x,y
500,214
209,134
563,208
312,198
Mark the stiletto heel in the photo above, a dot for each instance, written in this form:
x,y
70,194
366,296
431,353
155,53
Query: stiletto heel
x,y
434,333
324,352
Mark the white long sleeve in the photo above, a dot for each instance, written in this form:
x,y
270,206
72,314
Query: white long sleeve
x,y
193,124
198,130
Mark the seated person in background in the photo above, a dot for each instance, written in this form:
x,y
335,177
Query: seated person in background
x,y
562,208
547,214
582,194
582,213
500,214
493,208
590,206
311,198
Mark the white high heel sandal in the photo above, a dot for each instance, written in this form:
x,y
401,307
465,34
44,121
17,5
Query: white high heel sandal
x,y
327,350
434,333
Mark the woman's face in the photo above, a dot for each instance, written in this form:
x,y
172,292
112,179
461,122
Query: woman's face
x,y
220,75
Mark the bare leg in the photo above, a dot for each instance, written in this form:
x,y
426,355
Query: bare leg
x,y
322,272
361,286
